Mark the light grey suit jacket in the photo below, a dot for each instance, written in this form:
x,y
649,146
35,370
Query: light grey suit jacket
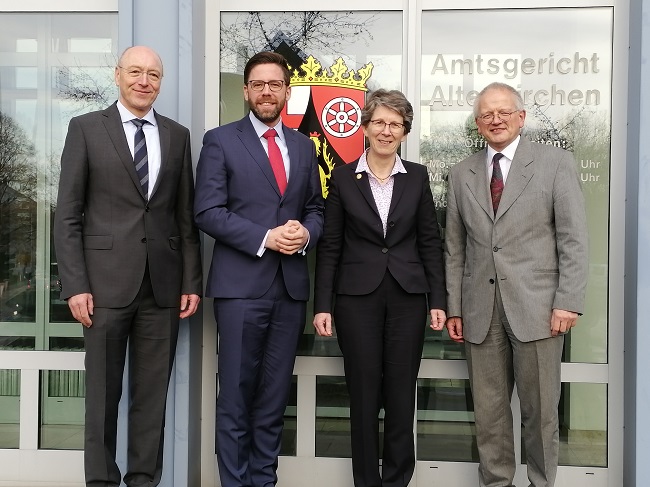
x,y
536,245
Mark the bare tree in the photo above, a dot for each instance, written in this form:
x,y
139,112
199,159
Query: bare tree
x,y
17,196
324,32
89,90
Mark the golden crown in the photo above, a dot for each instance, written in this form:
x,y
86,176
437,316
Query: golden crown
x,y
337,75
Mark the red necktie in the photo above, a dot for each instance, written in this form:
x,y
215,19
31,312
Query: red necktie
x,y
496,183
275,157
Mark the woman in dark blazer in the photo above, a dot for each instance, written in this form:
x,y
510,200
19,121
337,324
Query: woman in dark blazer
x,y
380,270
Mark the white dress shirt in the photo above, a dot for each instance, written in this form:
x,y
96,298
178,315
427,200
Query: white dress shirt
x,y
152,137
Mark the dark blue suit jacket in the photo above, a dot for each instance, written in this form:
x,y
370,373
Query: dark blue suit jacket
x,y
237,201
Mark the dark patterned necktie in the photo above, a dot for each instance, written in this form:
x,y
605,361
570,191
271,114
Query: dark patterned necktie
x,y
140,157
496,183
275,158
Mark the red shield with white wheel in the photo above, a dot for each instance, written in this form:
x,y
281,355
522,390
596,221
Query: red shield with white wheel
x,y
339,111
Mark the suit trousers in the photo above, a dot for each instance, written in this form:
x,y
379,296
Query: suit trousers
x,y
151,333
258,339
381,335
495,366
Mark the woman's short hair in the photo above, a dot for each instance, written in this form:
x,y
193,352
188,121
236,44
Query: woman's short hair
x,y
391,99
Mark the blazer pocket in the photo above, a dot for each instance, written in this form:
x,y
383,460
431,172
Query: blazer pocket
x,y
546,271
98,242
175,243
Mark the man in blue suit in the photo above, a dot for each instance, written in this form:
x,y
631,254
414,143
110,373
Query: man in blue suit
x,y
258,195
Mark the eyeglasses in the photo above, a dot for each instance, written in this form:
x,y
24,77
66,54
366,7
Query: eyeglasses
x,y
135,73
380,125
503,116
275,85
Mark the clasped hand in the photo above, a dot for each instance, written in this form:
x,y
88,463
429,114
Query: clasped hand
x,y
288,238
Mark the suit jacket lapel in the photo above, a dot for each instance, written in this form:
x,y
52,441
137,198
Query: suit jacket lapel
x,y
115,129
294,157
363,185
399,183
521,171
165,141
253,145
478,184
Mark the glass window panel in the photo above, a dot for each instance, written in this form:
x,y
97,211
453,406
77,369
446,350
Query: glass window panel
x,y
333,418
62,409
563,70
62,66
8,342
583,425
438,345
290,430
327,36
445,421
9,408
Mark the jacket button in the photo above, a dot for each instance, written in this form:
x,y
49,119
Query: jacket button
x,y
144,240
491,281
495,248
391,224
384,250
147,209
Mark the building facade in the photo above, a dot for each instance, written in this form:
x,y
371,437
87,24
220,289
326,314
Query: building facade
x,y
581,69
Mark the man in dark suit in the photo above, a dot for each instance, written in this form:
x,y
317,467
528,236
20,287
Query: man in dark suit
x,y
129,260
516,268
261,201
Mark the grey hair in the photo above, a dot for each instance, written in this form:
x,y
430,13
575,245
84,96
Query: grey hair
x,y
393,100
519,102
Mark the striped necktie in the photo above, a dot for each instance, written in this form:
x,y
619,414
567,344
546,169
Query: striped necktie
x,y
140,157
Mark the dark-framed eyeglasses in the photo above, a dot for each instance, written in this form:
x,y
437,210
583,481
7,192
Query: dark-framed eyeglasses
x,y
275,85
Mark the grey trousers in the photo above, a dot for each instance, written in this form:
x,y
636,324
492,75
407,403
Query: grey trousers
x,y
494,367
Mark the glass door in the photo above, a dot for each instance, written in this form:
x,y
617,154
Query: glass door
x,y
440,56
53,66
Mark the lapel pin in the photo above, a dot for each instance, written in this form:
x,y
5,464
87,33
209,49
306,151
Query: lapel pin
x,y
359,175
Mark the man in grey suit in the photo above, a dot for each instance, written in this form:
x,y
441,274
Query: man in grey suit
x,y
516,269
128,256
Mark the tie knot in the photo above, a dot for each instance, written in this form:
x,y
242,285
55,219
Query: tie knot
x,y
138,122
497,157
270,134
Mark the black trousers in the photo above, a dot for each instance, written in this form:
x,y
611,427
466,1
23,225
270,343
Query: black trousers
x,y
381,336
151,333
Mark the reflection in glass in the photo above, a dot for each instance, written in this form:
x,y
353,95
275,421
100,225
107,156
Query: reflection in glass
x,y
437,344
17,343
333,418
62,409
289,433
445,421
568,108
17,222
9,408
583,425
326,36
56,65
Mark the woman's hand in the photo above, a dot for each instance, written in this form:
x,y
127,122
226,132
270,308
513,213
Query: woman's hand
x,y
323,324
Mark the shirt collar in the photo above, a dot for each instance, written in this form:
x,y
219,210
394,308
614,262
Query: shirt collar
x,y
260,127
127,116
363,165
508,152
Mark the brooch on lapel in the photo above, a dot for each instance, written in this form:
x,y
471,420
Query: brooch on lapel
x,y
359,175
